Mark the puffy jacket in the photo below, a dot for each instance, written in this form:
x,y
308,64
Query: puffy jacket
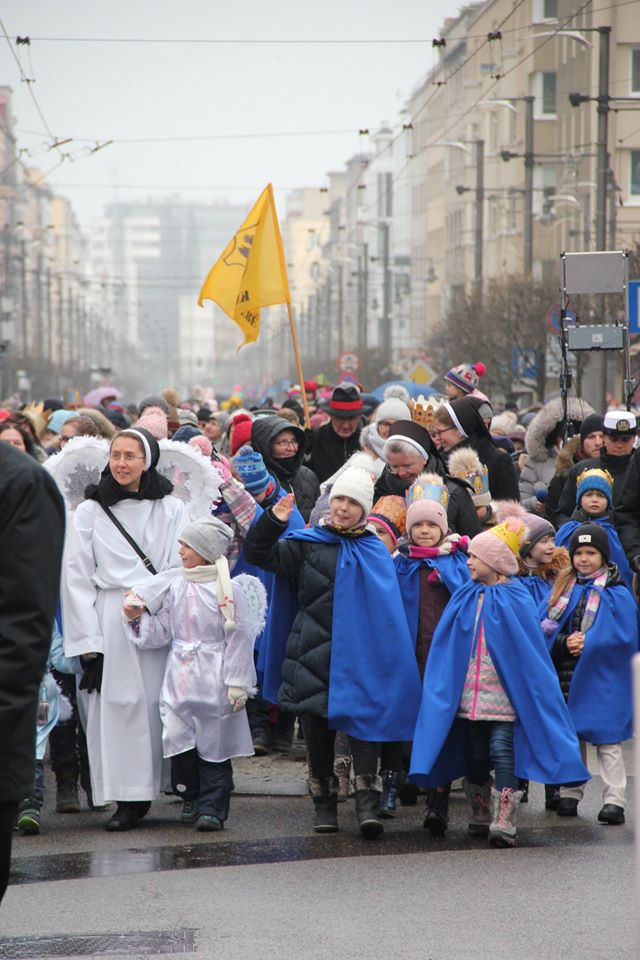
x,y
311,569
294,477
564,661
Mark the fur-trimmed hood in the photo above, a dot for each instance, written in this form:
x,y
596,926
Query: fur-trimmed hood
x,y
545,421
547,571
568,456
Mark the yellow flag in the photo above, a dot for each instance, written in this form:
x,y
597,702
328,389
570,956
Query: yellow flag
x,y
251,273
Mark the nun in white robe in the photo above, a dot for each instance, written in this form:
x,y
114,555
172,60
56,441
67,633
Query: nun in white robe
x,y
123,725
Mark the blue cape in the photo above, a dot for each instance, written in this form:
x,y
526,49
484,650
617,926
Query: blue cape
x,y
617,554
374,684
546,745
538,587
452,569
267,579
600,698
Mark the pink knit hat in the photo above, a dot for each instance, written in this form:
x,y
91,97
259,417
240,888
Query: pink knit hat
x,y
155,421
426,500
499,546
203,444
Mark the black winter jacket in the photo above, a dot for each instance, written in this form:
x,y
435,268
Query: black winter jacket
x,y
311,568
626,515
564,661
617,467
329,452
293,476
461,513
503,477
31,540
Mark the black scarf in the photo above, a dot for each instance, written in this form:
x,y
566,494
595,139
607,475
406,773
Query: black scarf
x,y
153,486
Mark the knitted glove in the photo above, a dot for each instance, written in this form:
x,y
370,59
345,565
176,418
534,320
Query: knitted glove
x,y
222,466
92,674
237,697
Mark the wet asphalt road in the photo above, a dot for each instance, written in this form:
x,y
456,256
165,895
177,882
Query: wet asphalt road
x,y
268,888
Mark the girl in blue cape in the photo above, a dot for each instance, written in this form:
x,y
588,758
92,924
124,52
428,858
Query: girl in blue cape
x,y
338,650
490,698
594,504
591,626
430,568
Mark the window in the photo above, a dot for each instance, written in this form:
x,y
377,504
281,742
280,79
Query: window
x,y
543,88
548,93
385,194
635,70
635,174
493,132
545,10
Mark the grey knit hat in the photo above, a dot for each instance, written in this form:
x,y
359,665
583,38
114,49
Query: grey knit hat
x,y
154,400
207,536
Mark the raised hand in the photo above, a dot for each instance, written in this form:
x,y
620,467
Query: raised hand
x,y
284,508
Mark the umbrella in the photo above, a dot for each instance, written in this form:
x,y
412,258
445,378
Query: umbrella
x,y
413,389
96,396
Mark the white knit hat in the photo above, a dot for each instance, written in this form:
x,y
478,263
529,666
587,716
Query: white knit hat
x,y
357,484
394,405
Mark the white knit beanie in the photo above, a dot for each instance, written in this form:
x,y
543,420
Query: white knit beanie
x,y
357,484
394,405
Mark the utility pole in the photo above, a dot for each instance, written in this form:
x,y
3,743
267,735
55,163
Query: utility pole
x,y
365,299
528,186
385,340
479,225
602,179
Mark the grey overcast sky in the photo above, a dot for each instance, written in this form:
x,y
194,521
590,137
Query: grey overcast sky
x,y
157,91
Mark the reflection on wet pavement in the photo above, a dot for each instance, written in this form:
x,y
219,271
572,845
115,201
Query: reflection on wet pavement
x,y
111,863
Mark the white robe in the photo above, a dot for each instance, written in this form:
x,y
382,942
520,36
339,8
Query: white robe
x,y
202,663
124,730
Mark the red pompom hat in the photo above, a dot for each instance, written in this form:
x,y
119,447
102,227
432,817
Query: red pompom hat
x,y
241,431
466,376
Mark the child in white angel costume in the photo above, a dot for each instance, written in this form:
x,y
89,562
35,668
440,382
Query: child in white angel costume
x,y
211,623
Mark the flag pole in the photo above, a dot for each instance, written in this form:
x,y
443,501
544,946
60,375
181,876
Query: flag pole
x,y
296,351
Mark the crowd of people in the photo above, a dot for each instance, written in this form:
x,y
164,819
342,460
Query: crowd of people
x,y
434,590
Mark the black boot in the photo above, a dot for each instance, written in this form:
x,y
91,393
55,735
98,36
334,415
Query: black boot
x,y
408,794
367,800
125,817
390,784
523,787
437,819
324,793
551,796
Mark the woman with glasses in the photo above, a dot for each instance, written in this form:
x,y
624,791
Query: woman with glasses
x,y
121,683
459,424
283,447
409,451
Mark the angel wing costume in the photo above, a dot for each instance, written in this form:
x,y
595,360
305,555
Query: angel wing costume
x,y
123,724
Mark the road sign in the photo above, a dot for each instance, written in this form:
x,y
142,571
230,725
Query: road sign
x,y
421,373
348,362
634,304
552,318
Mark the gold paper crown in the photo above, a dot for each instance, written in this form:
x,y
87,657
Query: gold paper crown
x,y
512,538
428,486
423,412
595,472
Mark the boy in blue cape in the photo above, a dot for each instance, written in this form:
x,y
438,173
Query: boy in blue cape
x,y
339,650
266,490
594,504
490,698
430,568
591,625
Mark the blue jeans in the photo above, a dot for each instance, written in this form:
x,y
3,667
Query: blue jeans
x,y
490,747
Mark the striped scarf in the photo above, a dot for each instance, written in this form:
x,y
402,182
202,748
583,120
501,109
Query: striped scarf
x,y
556,612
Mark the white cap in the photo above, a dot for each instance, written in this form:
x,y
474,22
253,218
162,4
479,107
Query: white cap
x,y
357,484
619,423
